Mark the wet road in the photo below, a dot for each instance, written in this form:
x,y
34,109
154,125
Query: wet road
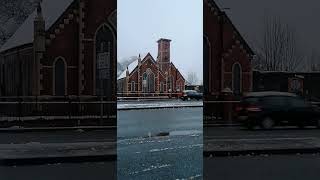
x,y
142,155
279,167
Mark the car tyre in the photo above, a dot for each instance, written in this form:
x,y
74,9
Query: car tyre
x,y
267,123
318,123
301,125
250,126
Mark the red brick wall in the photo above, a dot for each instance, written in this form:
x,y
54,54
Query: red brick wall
x,y
63,45
149,63
214,30
96,13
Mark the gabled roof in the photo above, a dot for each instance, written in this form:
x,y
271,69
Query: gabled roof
x,y
133,66
226,17
51,9
130,67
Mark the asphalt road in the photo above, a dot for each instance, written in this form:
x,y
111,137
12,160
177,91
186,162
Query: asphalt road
x,y
294,167
144,157
83,171
140,123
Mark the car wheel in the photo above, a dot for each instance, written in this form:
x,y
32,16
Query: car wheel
x,y
318,123
267,123
301,125
250,126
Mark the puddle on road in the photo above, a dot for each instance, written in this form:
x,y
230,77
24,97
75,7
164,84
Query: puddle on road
x,y
185,133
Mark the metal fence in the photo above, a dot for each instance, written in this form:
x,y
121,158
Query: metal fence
x,y
57,111
216,112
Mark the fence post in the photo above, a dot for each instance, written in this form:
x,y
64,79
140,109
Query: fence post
x,y
101,110
70,108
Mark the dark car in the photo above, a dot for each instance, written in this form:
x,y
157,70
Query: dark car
x,y
269,109
191,94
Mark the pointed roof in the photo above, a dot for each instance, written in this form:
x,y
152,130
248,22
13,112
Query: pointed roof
x,y
226,17
51,11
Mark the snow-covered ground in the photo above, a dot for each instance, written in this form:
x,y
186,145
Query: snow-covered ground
x,y
127,105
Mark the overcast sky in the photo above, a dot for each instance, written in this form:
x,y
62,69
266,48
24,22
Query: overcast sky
x,y
142,22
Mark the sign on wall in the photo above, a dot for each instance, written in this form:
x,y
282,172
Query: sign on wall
x,y
103,66
295,85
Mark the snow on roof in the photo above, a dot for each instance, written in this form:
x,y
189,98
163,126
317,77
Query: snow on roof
x,y
51,9
130,67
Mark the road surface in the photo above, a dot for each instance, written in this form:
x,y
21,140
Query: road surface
x,y
279,167
142,155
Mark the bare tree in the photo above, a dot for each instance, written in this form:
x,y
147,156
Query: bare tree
x,y
192,78
279,50
313,62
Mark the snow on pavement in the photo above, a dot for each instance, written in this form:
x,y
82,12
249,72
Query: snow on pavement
x,y
157,104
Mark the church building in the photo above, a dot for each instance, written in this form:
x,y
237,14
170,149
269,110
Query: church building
x,y
152,77
65,47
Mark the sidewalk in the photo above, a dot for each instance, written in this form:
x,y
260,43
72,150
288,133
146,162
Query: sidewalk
x,y
45,129
258,146
37,153
157,104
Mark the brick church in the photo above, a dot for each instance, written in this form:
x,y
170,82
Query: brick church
x,y
227,58
65,47
150,77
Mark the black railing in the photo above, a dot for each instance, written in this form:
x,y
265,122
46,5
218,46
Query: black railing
x,y
57,111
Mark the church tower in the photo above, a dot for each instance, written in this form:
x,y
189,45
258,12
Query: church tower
x,y
164,54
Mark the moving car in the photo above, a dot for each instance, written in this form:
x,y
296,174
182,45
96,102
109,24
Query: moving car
x,y
269,109
191,94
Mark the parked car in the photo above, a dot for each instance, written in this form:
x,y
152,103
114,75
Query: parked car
x,y
269,109
191,94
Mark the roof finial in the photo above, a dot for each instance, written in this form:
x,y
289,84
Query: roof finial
x,y
39,9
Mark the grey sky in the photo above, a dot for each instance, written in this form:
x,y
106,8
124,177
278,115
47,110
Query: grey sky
x,y
301,15
142,22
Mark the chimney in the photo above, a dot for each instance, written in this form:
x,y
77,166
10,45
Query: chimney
x,y
127,72
139,60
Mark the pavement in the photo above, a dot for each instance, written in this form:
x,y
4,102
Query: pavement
x,y
169,103
235,141
39,153
264,167
60,146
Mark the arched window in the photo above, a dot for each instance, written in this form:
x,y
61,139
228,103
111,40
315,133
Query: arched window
x,y
151,80
144,82
60,77
104,53
148,81
161,87
133,88
170,83
236,79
